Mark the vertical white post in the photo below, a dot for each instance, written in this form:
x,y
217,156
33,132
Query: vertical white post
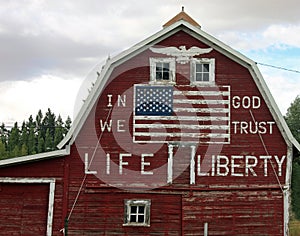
x,y
205,229
192,165
170,164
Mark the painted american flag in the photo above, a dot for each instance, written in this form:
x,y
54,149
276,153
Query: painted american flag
x,y
164,114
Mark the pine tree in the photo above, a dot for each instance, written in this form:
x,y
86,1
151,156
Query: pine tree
x,y
59,131
38,122
68,123
3,153
23,135
4,135
13,141
24,150
48,141
40,143
293,118
293,121
32,140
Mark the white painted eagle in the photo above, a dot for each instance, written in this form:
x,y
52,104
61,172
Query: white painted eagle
x,y
182,54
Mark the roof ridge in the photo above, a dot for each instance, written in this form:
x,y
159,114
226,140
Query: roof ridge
x,y
182,16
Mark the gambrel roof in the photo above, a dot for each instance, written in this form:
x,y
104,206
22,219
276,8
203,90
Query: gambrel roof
x,y
198,33
179,23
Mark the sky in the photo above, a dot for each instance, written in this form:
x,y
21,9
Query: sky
x,y
50,50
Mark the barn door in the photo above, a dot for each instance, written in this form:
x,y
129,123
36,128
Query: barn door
x,y
23,209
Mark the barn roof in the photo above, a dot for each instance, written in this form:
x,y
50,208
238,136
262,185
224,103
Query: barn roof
x,y
178,23
36,157
182,16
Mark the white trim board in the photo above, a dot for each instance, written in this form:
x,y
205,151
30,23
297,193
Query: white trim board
x,y
50,181
36,157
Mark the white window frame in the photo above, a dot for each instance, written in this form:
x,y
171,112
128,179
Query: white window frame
x,y
172,65
211,62
128,203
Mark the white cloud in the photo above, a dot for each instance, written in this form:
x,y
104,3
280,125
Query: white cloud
x,y
42,42
20,99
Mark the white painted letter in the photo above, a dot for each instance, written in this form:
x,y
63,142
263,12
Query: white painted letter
x,y
235,123
255,102
105,125
120,125
107,163
199,167
86,166
121,162
236,102
265,158
120,101
271,123
279,163
249,166
109,96
234,165
225,165
143,164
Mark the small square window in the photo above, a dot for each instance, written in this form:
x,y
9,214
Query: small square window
x,y
202,71
162,70
137,212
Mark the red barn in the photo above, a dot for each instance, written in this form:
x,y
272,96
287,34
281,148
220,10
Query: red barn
x,y
179,136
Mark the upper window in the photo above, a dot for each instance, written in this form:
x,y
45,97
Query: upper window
x,y
203,71
162,70
137,212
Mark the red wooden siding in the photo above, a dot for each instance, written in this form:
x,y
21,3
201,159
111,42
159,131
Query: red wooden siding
x,y
23,209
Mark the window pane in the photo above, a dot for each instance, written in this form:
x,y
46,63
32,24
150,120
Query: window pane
x,y
159,75
205,67
133,209
198,76
205,76
141,218
166,66
198,67
132,218
141,209
159,66
166,76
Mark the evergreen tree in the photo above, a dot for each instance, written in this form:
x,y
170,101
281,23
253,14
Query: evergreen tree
x,y
40,143
48,141
59,131
24,150
293,118
34,136
68,123
296,190
32,140
293,121
24,135
38,122
3,153
13,141
4,135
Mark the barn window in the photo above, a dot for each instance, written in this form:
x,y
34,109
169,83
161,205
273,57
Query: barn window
x,y
202,71
162,70
137,212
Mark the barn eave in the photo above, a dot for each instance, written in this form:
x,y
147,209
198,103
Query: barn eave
x,y
36,157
